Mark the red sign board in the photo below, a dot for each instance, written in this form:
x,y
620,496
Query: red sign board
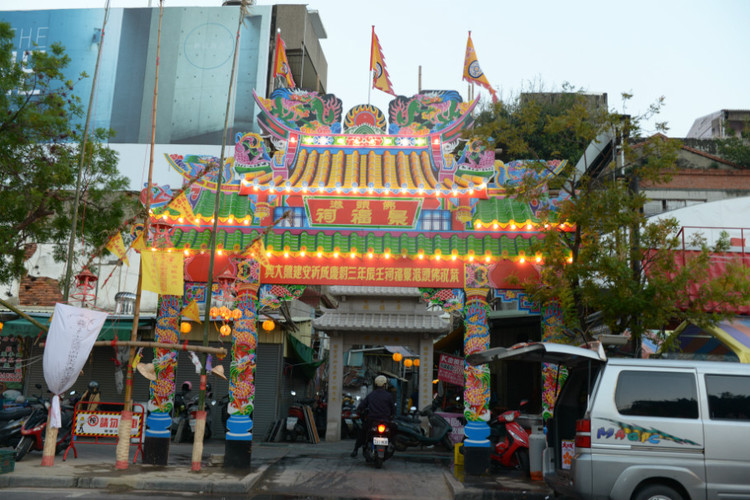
x,y
363,271
451,369
357,212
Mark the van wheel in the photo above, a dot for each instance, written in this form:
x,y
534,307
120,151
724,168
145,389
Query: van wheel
x,y
658,492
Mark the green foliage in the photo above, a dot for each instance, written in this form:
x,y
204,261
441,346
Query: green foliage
x,y
614,262
736,149
40,156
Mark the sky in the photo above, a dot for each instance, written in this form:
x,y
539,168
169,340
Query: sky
x,y
694,53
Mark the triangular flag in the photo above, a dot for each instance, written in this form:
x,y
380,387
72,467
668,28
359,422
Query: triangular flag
x,y
117,246
472,72
380,78
281,64
162,272
258,252
138,243
182,205
191,311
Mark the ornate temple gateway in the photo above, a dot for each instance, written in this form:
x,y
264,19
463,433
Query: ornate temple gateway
x,y
362,200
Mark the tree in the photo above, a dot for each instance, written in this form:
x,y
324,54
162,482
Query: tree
x,y
615,263
39,158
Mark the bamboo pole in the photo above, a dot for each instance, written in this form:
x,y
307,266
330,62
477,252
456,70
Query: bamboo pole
x,y
48,453
219,351
123,444
200,420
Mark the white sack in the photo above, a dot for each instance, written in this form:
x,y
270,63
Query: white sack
x,y
71,336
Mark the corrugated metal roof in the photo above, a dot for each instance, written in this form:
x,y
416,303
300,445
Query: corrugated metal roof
x,y
367,321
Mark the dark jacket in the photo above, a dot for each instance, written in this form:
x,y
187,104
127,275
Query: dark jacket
x,y
377,405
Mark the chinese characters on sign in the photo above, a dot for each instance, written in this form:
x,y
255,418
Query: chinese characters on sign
x,y
104,424
364,272
451,369
398,212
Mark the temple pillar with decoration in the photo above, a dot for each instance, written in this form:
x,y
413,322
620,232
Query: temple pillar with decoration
x,y
239,436
162,390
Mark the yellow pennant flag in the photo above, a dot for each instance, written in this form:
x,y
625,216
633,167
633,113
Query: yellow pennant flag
x,y
182,205
138,244
191,311
117,247
258,252
380,78
163,272
472,72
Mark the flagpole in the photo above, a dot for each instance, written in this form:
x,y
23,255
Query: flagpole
x,y
123,444
200,423
275,59
369,73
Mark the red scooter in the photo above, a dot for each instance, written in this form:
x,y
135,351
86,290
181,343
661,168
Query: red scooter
x,y
510,441
35,427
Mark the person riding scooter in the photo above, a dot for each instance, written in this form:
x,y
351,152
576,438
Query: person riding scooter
x,y
90,398
377,405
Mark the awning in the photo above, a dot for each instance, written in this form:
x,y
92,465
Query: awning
x,y
306,356
730,336
119,327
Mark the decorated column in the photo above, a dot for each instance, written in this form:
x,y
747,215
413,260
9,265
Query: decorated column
x,y
552,331
477,383
239,437
162,389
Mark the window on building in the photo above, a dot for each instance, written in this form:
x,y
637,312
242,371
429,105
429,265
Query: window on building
x,y
657,394
728,397
296,219
435,220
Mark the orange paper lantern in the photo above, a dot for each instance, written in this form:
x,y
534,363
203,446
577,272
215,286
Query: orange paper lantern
x,y
397,357
225,330
408,362
185,327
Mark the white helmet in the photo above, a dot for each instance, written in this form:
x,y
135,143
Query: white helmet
x,y
380,381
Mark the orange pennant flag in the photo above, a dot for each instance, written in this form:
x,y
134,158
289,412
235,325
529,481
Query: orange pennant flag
x,y
182,205
117,246
380,78
162,272
281,64
191,311
472,72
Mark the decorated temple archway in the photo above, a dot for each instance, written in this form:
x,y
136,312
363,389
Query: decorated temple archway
x,y
358,200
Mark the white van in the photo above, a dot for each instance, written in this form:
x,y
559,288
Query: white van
x,y
643,429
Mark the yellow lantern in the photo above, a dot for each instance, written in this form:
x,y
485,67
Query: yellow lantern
x,y
397,357
1,326
225,330
214,312
416,362
268,325
237,313
185,327
408,362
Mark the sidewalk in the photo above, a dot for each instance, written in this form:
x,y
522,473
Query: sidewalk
x,y
94,468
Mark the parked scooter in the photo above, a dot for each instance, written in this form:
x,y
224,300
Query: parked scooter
x,y
351,422
379,443
409,430
192,410
35,426
296,422
510,441
12,417
180,418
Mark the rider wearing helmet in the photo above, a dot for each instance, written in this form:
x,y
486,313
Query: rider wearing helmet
x,y
378,405
91,397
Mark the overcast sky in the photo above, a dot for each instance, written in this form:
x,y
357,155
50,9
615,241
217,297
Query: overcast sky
x,y
695,53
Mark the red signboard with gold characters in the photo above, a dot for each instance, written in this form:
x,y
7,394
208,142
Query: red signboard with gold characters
x,y
394,212
364,271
